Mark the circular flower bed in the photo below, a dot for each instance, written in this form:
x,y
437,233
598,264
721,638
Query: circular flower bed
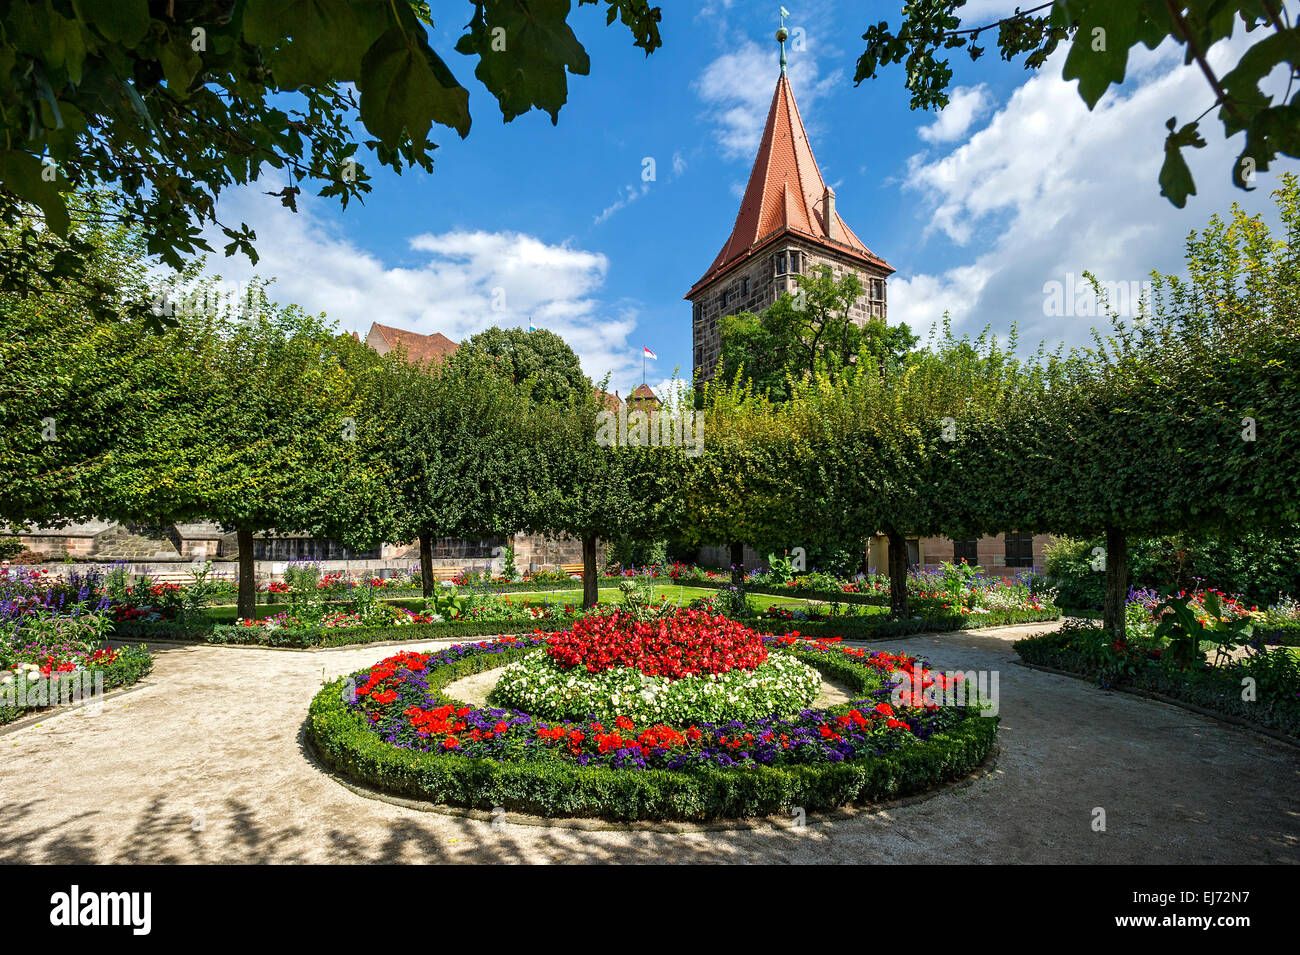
x,y
685,668
390,727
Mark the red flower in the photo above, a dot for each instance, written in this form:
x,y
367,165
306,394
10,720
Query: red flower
x,y
689,643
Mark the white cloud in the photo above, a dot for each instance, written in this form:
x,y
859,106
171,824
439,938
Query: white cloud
x,y
1048,189
965,105
453,291
736,88
626,196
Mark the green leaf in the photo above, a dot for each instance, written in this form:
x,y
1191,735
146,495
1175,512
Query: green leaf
x,y
21,174
524,51
1176,182
123,21
405,86
327,40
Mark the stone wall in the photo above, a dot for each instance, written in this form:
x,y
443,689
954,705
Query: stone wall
x,y
991,553
172,548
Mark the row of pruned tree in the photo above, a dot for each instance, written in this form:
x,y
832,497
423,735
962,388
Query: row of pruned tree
x,y
266,418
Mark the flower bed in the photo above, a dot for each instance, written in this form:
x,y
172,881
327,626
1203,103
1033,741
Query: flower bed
x,y
389,726
52,645
26,673
1090,653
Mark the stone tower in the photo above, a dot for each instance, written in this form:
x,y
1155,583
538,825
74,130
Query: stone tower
x,y
787,225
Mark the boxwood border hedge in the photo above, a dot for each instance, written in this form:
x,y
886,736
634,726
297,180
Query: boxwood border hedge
x,y
341,740
851,628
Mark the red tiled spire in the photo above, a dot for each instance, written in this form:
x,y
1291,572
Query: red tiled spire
x,y
786,192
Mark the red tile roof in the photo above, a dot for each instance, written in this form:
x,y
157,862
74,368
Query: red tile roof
x,y
643,393
419,348
785,196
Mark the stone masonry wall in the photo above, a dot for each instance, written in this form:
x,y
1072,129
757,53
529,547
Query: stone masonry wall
x,y
763,289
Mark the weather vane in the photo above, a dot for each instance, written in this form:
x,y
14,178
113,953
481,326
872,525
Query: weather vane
x,y
781,34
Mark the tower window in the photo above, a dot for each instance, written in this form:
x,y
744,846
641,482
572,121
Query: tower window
x,y
744,285
726,297
780,263
795,262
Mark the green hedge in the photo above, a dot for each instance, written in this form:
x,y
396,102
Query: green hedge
x,y
131,666
230,634
1277,676
344,742
824,596
1283,634
876,628
853,628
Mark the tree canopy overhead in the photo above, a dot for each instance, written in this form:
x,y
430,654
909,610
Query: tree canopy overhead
x,y
170,102
1101,35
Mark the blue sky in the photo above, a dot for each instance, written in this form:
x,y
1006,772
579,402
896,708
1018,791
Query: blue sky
x,y
1015,185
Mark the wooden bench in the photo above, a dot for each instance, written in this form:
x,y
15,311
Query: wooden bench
x,y
573,568
172,577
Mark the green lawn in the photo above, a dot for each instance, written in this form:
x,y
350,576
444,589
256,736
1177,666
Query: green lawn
x,y
676,593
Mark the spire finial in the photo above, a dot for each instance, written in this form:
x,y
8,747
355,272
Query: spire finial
x,y
781,34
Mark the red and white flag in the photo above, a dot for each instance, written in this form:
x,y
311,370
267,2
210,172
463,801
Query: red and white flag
x,y
649,353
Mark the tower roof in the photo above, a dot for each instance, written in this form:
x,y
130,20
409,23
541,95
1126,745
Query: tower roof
x,y
786,195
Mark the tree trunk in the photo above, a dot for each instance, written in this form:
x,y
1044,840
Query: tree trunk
x,y
426,564
1112,621
897,573
246,608
737,564
590,594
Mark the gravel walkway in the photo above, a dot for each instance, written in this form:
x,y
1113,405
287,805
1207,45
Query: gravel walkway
x,y
204,764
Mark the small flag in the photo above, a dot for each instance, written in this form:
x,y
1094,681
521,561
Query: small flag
x,y
649,353
531,326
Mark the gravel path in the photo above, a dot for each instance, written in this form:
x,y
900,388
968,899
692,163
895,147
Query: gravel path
x,y
204,765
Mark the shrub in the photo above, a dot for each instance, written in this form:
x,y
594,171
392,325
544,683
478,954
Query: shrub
x,y
1068,563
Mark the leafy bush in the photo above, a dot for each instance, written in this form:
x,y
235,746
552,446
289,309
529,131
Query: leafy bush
x,y
734,602
10,547
636,551
1069,565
